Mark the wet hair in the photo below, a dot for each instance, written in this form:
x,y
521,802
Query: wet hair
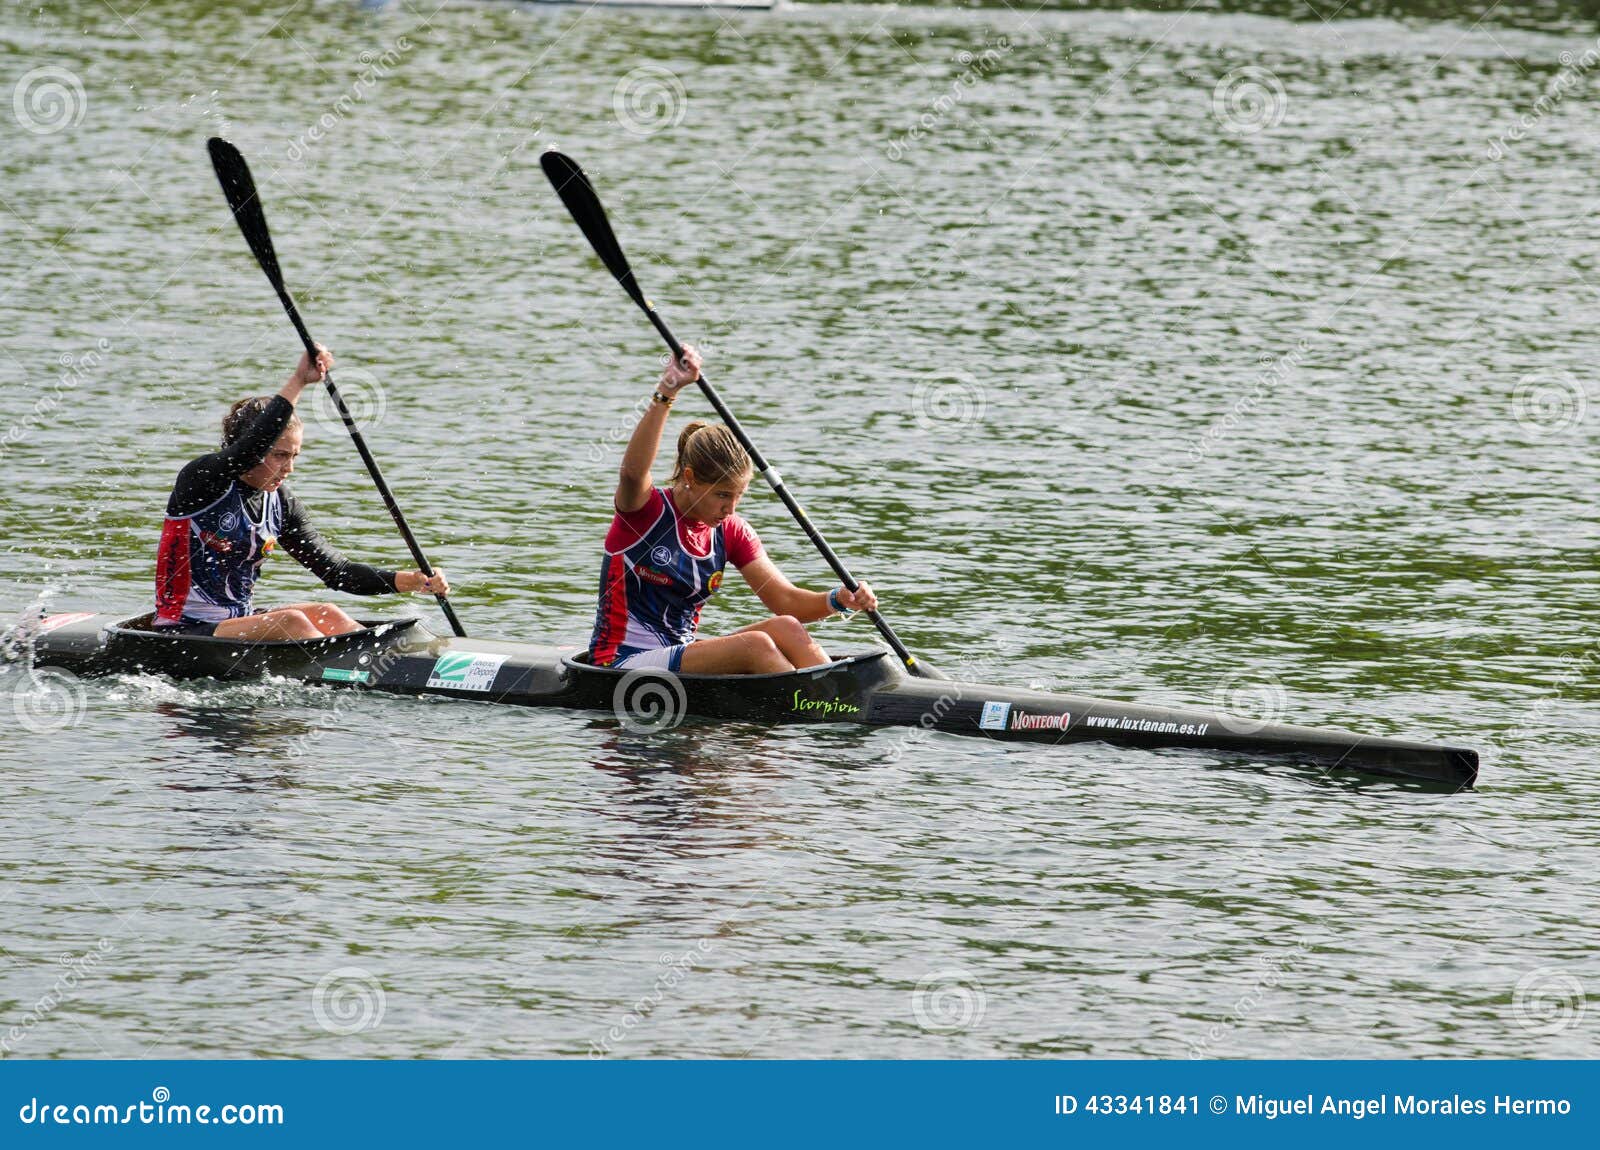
x,y
713,452
245,412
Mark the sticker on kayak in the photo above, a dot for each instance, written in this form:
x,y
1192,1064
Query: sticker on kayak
x,y
1022,721
339,675
51,622
994,716
466,671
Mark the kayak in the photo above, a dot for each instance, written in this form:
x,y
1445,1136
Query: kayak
x,y
863,687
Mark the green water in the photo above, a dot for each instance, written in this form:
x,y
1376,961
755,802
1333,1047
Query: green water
x,y
1209,358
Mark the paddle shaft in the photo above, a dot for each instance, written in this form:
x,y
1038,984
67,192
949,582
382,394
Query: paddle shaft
x,y
580,198
775,481
233,173
372,464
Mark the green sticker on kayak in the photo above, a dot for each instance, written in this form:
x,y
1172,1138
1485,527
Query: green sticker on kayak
x,y
339,675
465,671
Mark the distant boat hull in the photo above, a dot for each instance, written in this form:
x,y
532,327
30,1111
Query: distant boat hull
x,y
747,5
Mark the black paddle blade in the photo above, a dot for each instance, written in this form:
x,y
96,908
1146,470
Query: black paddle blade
x,y
240,188
582,201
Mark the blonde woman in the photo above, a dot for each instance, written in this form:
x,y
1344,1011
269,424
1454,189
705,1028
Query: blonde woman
x,y
667,547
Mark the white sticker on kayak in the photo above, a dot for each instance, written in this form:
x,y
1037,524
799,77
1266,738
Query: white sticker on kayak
x,y
52,622
994,716
465,671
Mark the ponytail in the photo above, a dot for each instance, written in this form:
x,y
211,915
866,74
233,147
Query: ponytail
x,y
712,452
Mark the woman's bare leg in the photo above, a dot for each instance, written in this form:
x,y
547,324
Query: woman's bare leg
x,y
742,653
326,618
296,621
794,642
285,623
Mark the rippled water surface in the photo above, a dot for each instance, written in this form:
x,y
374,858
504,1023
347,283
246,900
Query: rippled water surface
x,y
1197,358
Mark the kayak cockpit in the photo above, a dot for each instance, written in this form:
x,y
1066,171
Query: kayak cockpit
x,y
847,662
649,698
138,645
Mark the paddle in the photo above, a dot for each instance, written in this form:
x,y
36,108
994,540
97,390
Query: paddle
x,y
579,195
234,175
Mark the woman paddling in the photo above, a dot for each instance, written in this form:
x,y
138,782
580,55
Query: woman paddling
x,y
666,549
229,510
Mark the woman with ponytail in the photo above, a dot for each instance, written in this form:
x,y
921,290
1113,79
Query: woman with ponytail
x,y
667,547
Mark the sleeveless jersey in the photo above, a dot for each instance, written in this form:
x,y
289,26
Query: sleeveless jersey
x,y
207,565
652,589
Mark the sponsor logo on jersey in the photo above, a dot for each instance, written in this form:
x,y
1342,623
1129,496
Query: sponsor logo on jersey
x,y
660,556
1022,721
216,542
650,575
269,545
229,521
714,582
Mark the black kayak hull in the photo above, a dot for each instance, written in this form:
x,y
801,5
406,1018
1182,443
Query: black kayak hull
x,y
404,657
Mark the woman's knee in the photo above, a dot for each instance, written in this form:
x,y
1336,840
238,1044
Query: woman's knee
x,y
759,643
293,624
790,627
762,653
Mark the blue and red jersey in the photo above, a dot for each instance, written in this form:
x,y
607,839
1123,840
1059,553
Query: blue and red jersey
x,y
208,562
219,531
658,570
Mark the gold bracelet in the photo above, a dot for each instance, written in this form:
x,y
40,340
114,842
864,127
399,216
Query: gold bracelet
x,y
657,397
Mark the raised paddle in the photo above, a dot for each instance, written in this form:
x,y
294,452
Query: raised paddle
x,y
234,175
579,195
